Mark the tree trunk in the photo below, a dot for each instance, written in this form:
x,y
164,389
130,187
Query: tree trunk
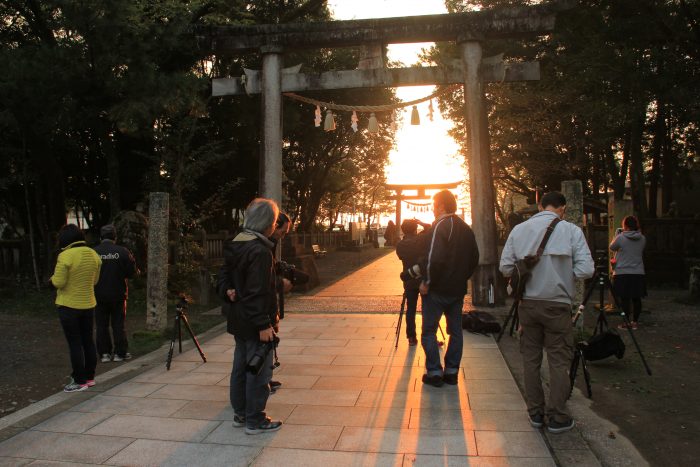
x,y
659,136
30,220
668,169
639,198
110,153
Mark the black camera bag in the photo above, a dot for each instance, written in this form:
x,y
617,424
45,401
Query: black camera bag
x,y
603,345
480,322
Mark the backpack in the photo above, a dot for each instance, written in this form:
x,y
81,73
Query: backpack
x,y
480,322
603,345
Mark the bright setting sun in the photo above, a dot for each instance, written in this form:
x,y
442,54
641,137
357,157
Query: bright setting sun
x,y
424,153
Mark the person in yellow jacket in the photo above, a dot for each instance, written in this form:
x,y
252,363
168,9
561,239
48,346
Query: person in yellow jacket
x,y
77,271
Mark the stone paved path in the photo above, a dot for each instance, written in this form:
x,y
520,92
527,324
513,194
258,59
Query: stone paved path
x,y
349,398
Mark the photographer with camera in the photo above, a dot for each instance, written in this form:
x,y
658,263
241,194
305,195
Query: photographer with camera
x,y
283,284
545,309
410,250
452,256
252,315
628,268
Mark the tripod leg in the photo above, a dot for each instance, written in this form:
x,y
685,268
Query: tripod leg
x,y
172,343
629,327
516,321
586,376
194,338
398,323
511,312
179,329
573,370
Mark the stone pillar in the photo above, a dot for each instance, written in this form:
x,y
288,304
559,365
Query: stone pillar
x,y
398,212
271,157
573,191
157,287
481,189
617,210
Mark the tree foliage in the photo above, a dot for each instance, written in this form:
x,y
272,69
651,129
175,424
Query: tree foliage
x,y
617,102
106,101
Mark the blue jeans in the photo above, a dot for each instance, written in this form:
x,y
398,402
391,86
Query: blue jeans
x,y
411,307
433,307
249,392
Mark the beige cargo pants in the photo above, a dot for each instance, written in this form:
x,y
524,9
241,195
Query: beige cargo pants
x,y
546,325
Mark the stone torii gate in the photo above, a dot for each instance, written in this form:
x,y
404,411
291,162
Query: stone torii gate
x,y
468,30
420,194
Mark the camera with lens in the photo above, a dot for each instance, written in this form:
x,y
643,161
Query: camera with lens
x,y
412,273
291,273
601,260
256,362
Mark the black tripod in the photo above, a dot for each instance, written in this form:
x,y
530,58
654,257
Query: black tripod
x,y
398,324
512,315
181,317
602,280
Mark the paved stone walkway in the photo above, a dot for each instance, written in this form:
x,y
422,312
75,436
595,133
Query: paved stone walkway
x,y
349,398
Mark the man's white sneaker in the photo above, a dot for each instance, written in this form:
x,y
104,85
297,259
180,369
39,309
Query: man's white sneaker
x,y
119,358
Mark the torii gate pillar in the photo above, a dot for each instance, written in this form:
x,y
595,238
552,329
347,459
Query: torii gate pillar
x,y
271,160
480,178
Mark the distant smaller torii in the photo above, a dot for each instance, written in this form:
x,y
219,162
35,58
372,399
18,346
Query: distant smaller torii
x,y
420,193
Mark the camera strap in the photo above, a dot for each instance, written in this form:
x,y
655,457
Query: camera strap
x,y
547,234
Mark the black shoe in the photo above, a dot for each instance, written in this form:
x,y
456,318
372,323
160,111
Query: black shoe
x,y
435,380
536,420
274,386
450,378
560,427
268,426
238,420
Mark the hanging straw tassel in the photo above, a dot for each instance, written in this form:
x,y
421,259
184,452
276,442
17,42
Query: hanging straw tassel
x,y
415,118
372,126
354,121
329,124
317,117
430,110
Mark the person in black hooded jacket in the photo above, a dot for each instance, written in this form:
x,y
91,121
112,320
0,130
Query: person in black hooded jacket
x,y
111,292
252,313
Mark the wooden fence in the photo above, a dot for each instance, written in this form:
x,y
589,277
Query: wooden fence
x,y
213,243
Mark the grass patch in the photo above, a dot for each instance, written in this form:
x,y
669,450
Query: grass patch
x,y
39,304
24,302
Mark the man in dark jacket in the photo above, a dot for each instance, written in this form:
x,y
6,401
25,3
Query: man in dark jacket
x,y
252,314
452,257
111,292
410,251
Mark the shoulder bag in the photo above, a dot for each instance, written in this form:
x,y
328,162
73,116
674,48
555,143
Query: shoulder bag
x,y
523,267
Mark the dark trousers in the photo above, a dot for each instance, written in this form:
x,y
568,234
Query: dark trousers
x,y
249,392
114,313
77,327
411,307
